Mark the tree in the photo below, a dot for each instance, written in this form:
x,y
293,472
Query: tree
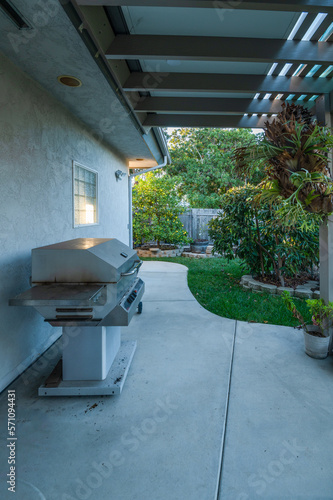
x,y
260,240
203,166
156,207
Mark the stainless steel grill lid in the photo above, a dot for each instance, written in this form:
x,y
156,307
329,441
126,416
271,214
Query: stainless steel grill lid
x,y
83,260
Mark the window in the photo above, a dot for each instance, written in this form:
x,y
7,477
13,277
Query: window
x,y
85,195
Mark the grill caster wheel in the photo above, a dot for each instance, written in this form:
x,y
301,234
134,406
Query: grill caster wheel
x,y
140,308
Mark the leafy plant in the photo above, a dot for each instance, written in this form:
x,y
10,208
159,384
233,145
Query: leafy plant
x,y
294,156
321,313
253,232
156,207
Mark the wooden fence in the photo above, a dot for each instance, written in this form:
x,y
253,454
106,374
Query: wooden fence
x,y
195,222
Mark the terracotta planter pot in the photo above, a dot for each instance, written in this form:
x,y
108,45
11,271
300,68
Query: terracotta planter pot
x,y
315,347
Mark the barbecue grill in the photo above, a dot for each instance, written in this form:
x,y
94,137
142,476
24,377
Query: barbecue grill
x,y
89,287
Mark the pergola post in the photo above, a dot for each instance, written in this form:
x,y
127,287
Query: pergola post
x,y
324,116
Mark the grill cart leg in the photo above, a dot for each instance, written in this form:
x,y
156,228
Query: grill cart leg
x,y
94,362
140,308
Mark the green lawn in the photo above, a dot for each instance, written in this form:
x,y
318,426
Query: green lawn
x,y
215,284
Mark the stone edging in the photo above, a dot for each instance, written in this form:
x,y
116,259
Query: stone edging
x,y
177,252
193,255
302,291
157,252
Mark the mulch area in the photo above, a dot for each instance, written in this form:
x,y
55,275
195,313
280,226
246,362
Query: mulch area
x,y
289,282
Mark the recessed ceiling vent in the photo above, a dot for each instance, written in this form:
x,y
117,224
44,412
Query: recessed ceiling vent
x,y
14,15
69,81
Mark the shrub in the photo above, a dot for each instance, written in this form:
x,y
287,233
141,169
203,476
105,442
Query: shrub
x,y
265,245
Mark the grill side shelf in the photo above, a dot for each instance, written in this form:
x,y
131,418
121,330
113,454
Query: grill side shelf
x,y
61,295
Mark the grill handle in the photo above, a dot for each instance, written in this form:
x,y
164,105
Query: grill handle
x,y
134,270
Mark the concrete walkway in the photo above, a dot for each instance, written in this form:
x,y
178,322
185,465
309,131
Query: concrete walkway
x,y
162,438
279,439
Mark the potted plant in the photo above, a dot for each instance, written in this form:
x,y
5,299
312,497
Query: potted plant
x,y
316,338
199,245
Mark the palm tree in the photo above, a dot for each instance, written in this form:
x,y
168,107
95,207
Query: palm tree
x,y
294,153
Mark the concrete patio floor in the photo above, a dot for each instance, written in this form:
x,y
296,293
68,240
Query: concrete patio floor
x,y
201,390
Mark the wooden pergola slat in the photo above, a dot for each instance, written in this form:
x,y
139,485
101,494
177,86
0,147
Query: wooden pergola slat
x,y
275,5
211,105
212,82
211,48
219,121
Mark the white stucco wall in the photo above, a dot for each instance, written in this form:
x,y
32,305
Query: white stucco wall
x,y
39,139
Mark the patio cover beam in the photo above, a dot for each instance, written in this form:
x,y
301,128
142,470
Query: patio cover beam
x,y
212,82
212,105
220,121
212,48
275,5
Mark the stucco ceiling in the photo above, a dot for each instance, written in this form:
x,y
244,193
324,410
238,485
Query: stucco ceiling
x,y
53,47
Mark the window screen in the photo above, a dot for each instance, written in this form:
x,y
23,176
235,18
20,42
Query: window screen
x,y
85,195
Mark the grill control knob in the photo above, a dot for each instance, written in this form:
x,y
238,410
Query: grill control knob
x,y
132,296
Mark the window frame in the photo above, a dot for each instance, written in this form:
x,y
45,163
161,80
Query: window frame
x,y
78,164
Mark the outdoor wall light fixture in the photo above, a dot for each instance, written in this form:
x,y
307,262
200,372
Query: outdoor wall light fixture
x,y
119,175
69,81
